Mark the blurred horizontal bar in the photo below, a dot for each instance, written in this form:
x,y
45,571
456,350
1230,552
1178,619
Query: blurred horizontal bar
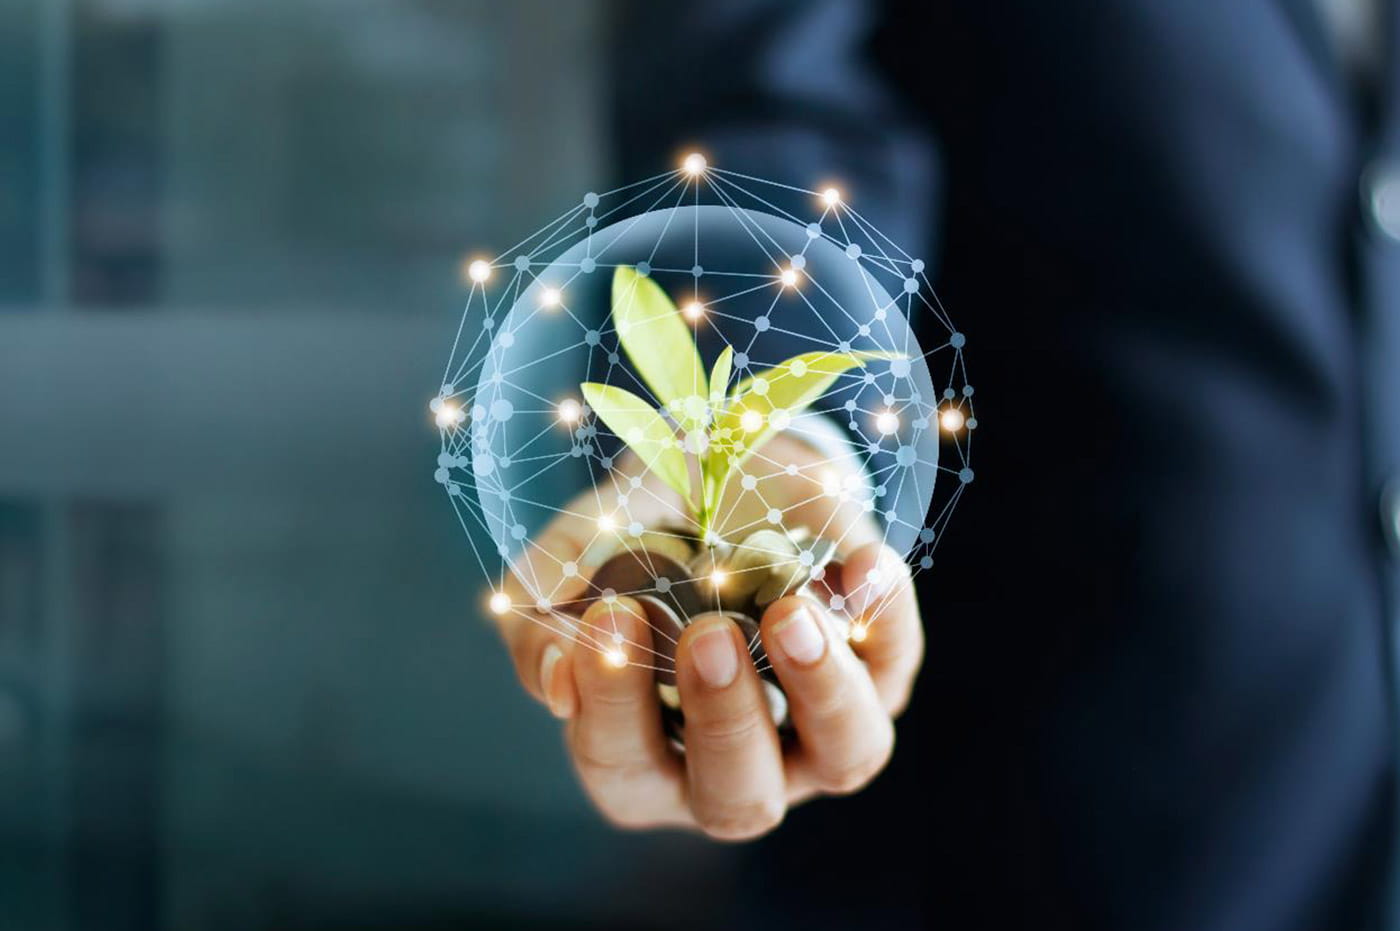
x,y
161,403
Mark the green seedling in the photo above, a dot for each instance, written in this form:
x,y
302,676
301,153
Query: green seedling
x,y
700,431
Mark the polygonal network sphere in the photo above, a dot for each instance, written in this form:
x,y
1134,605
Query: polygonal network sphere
x,y
799,332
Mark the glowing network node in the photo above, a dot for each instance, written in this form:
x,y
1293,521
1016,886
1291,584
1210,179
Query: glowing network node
x,y
570,411
859,632
694,163
617,657
607,523
952,420
551,297
831,197
718,577
887,422
751,421
693,311
449,414
479,271
500,603
788,277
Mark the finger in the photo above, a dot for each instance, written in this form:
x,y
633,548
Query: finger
x,y
616,740
546,577
732,754
539,648
886,630
844,732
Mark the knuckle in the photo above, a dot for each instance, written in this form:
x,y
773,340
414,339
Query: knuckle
x,y
851,777
846,776
899,701
614,698
726,733
602,771
829,702
626,818
744,821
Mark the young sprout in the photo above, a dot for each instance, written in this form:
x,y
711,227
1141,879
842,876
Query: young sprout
x,y
711,422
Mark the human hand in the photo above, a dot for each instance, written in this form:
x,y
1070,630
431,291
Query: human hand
x,y
736,778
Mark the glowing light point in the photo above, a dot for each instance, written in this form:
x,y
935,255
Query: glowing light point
x,y
887,422
751,421
449,414
570,410
831,197
859,632
952,420
617,658
607,523
479,271
788,278
694,310
551,297
718,577
694,163
500,603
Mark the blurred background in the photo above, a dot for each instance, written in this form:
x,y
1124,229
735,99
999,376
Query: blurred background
x,y
244,681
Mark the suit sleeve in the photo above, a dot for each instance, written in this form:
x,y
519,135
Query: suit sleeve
x,y
782,89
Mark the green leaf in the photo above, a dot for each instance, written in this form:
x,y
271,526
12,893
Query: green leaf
x,y
787,389
835,362
637,424
719,376
660,344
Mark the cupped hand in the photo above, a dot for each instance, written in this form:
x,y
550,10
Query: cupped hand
x,y
736,778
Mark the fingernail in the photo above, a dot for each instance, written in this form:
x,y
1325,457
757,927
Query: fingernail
x,y
552,655
714,656
800,637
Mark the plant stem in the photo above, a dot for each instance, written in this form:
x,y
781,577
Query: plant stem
x,y
703,518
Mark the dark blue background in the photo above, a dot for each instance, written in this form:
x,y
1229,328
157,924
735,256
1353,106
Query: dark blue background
x,y
243,681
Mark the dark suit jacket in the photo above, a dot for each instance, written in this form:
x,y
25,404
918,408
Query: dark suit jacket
x,y
1159,692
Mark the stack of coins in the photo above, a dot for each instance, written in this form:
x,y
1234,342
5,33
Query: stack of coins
x,y
676,577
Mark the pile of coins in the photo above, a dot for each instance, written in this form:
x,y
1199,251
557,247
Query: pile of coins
x,y
676,577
